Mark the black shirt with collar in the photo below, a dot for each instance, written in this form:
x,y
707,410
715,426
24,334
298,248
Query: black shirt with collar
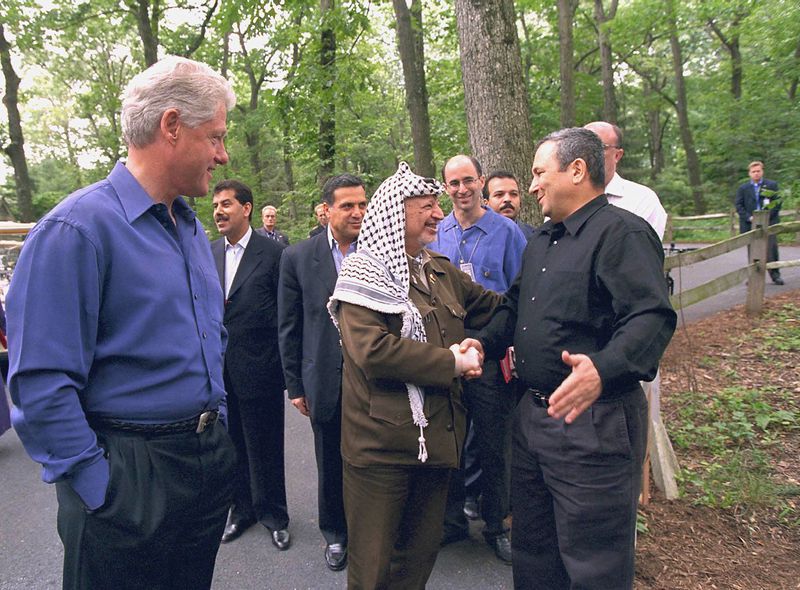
x,y
593,284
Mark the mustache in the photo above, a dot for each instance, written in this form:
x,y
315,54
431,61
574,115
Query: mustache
x,y
507,205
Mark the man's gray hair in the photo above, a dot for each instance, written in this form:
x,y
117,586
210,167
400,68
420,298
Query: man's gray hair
x,y
576,142
191,87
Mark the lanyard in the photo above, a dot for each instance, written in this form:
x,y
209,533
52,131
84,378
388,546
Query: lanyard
x,y
458,245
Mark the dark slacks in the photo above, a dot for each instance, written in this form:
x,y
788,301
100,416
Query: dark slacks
x,y
163,516
330,499
575,489
394,519
490,403
257,428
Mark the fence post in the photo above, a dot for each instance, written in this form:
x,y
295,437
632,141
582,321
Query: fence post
x,y
668,239
734,220
757,253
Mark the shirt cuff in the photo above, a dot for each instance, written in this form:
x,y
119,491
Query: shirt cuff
x,y
91,483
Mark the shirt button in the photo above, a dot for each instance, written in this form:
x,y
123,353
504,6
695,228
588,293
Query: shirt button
x,y
449,428
533,298
524,328
555,242
195,296
486,274
444,332
543,269
205,335
522,361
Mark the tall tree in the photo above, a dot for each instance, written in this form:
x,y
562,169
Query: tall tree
x,y
412,55
327,121
602,16
15,149
682,106
495,98
566,14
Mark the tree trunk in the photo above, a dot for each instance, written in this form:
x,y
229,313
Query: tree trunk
x,y
655,142
796,79
566,12
606,60
147,25
327,121
692,162
412,55
16,145
494,95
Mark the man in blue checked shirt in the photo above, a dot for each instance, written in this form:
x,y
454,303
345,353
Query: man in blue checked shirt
x,y
116,342
488,247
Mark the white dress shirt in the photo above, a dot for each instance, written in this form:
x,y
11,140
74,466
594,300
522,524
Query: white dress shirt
x,y
233,256
639,200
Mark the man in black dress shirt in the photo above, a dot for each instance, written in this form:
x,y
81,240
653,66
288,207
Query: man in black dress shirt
x,y
589,317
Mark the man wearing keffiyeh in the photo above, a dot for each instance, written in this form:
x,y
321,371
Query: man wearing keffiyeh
x,y
399,307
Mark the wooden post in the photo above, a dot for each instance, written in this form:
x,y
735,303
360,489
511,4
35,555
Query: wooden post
x,y
660,455
668,231
757,254
734,218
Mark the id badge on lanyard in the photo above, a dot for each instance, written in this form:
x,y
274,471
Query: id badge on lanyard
x,y
467,268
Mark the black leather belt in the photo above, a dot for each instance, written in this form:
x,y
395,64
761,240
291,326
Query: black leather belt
x,y
538,397
197,424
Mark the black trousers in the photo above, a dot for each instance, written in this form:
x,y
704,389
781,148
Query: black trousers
x,y
257,428
394,517
163,516
575,489
330,499
490,403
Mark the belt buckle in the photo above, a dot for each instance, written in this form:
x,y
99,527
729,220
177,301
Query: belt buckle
x,y
206,419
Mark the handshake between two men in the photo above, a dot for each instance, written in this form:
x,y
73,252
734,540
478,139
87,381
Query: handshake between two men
x,y
576,393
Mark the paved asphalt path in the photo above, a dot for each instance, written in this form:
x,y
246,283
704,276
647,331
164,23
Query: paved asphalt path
x,y
31,553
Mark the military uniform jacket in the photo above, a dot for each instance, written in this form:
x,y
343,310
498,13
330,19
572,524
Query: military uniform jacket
x,y
377,425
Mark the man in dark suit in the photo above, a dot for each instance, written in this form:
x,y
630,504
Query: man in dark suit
x,y
760,193
322,220
310,349
248,266
269,217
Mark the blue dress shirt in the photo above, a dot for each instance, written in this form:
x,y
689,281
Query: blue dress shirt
x,y
493,246
113,314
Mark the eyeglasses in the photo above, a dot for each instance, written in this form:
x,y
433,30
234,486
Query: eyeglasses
x,y
611,147
468,182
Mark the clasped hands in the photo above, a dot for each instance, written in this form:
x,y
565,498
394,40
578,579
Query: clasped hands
x,y
469,358
576,393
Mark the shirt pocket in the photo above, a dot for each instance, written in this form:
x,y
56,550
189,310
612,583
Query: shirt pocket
x,y
392,407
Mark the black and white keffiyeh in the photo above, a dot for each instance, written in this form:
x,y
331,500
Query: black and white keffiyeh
x,y
376,276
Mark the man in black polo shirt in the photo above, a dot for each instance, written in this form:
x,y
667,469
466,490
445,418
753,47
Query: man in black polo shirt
x,y
589,317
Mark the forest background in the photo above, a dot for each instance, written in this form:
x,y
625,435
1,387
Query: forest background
x,y
700,88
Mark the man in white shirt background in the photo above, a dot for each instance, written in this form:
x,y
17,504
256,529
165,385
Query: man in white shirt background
x,y
623,193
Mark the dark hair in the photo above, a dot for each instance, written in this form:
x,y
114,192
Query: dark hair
x,y
473,159
240,190
576,142
497,174
339,181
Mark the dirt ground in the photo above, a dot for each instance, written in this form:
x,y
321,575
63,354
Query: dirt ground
x,y
692,546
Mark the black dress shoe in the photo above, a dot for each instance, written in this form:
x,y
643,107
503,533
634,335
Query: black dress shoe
x,y
502,547
336,556
235,529
281,539
778,281
471,509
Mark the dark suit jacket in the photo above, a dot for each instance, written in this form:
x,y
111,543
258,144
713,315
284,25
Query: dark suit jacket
x,y
318,229
252,362
281,237
309,342
746,203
